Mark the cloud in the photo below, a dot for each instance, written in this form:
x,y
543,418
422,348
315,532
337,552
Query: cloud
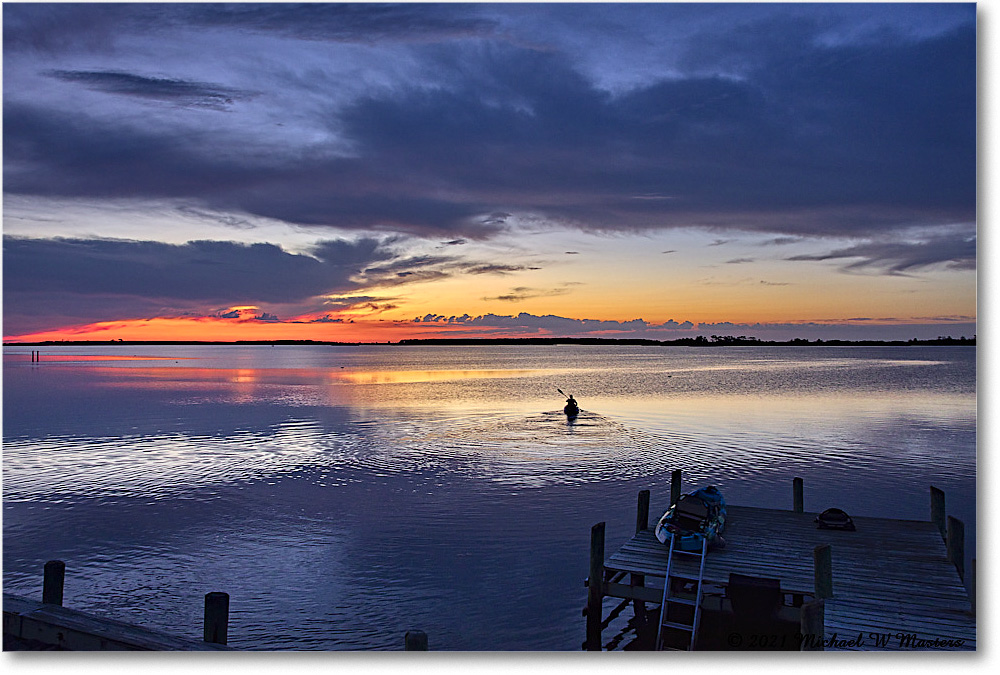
x,y
739,261
180,92
489,114
100,279
957,252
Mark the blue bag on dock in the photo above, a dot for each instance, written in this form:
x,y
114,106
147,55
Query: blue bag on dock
x,y
696,515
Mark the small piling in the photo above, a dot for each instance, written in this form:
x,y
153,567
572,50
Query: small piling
x,y
415,641
797,503
642,511
823,571
53,581
812,625
955,542
217,617
595,588
675,486
641,523
937,511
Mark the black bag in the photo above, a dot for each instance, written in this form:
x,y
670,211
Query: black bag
x,y
835,519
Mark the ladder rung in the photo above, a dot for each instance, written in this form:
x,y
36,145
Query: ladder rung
x,y
682,601
685,577
678,626
696,554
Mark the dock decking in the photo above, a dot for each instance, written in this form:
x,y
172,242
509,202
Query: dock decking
x,y
893,583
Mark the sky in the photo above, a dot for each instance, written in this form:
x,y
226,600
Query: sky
x,y
368,172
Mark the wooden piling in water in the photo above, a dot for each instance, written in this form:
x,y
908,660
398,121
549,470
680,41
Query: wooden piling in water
x,y
937,511
823,571
415,641
797,503
955,542
642,511
53,582
675,486
641,523
595,588
217,617
813,626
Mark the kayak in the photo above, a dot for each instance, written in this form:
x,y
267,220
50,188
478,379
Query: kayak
x,y
571,410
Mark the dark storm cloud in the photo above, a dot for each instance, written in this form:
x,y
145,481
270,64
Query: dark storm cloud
x,y
180,92
780,120
195,272
893,257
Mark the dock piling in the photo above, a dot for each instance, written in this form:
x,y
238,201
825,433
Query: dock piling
x,y
937,510
823,571
642,512
813,626
53,581
415,641
955,542
217,617
797,503
675,486
595,588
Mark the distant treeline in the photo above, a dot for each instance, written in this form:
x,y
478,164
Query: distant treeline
x,y
699,341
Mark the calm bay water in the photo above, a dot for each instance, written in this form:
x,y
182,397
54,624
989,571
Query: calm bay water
x,y
344,495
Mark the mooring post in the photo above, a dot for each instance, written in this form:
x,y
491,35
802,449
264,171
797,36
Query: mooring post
x,y
675,486
53,581
797,503
642,512
956,545
415,641
937,510
812,625
595,588
217,617
823,571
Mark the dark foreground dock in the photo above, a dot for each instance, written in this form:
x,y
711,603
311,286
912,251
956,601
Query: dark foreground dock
x,y
889,585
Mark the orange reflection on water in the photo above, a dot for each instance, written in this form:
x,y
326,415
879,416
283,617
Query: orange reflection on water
x,y
410,376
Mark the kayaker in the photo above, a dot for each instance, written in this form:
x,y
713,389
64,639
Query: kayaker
x,y
572,402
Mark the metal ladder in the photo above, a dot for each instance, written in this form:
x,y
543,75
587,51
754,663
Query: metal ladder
x,y
677,599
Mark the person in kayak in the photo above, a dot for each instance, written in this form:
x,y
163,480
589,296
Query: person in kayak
x,y
572,408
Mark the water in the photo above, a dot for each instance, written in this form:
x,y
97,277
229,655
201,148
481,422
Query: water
x,y
345,495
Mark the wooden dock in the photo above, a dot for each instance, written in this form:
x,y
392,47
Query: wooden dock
x,y
894,586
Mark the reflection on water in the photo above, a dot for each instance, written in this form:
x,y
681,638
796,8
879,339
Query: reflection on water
x,y
343,496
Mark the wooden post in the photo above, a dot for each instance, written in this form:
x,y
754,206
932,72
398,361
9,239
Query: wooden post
x,y
972,587
937,510
823,571
53,581
595,588
642,512
812,625
416,641
217,617
797,503
675,486
956,545
641,523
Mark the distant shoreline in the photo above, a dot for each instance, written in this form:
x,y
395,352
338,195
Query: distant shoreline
x,y
700,341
